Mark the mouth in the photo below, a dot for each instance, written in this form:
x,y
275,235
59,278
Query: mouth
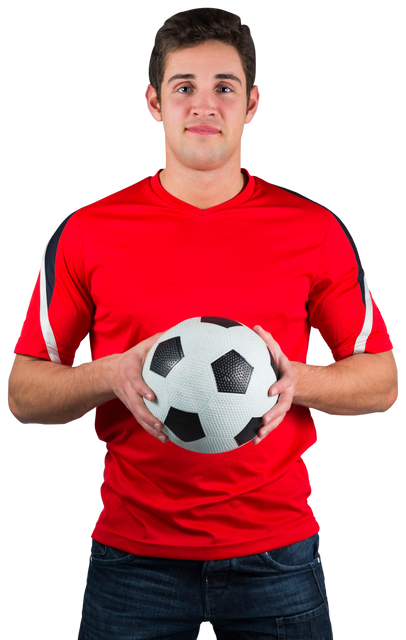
x,y
203,130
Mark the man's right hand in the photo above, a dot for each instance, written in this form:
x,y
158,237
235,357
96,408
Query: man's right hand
x,y
128,385
44,392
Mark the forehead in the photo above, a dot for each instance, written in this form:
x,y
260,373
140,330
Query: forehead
x,y
211,57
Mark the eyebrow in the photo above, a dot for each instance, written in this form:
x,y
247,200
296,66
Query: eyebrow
x,y
191,76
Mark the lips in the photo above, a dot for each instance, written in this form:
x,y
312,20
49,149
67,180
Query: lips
x,y
203,130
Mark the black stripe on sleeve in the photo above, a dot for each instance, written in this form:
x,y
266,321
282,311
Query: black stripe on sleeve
x,y
50,257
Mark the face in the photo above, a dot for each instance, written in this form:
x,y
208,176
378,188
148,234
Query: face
x,y
203,114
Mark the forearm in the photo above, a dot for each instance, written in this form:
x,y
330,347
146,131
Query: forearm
x,y
48,393
360,384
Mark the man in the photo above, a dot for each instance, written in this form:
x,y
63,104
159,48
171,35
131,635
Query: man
x,y
185,537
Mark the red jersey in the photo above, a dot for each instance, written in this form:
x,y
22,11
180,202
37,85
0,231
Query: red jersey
x,y
141,261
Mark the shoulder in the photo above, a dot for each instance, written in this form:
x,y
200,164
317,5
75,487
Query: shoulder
x,y
296,202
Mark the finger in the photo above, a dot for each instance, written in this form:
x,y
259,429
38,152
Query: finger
x,y
274,412
267,337
274,417
155,430
282,385
138,384
281,406
261,331
286,375
147,393
142,414
135,403
263,432
278,411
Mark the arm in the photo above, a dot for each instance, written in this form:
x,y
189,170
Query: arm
x,y
359,384
44,392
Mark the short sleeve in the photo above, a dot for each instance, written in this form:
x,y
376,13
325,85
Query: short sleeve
x,y
61,308
340,304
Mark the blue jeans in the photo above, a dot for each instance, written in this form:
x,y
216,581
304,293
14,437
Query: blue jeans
x,y
276,594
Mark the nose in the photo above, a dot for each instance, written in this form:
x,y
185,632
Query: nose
x,y
204,104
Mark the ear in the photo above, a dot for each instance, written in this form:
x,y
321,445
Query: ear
x,y
254,104
151,103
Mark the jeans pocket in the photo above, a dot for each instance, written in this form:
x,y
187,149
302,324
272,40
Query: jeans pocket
x,y
311,624
295,557
103,554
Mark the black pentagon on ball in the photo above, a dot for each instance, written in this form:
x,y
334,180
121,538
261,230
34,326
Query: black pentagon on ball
x,y
184,425
249,432
167,354
232,373
221,322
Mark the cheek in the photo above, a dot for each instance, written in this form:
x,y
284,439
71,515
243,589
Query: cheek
x,y
174,118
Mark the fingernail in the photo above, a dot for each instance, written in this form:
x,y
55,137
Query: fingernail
x,y
148,396
157,426
274,392
162,438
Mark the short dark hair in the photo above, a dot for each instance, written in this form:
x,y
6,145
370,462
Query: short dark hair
x,y
194,27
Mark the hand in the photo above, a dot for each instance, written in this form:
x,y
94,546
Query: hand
x,y
128,385
285,387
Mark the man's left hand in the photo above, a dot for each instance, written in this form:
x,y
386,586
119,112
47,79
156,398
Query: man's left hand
x,y
285,387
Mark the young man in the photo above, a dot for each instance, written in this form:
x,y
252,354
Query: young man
x,y
185,537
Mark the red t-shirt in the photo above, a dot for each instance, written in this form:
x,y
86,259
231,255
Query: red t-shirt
x,y
141,261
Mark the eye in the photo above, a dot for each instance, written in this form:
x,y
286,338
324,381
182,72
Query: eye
x,y
223,86
184,87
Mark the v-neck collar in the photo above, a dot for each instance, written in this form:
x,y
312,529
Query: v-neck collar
x,y
241,197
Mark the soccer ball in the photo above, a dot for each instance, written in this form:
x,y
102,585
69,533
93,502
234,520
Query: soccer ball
x,y
211,378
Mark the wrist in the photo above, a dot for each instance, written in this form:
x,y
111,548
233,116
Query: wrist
x,y
308,379
102,373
